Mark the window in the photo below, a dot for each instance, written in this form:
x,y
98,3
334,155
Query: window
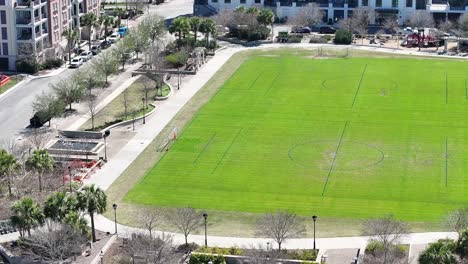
x,y
2,2
214,1
365,2
5,48
257,1
3,17
227,1
378,3
242,1
4,33
394,3
409,3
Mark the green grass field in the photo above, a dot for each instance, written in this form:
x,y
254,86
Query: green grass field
x,y
353,138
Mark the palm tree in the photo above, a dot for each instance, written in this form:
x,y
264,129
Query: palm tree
x,y
195,26
92,200
71,36
77,221
40,162
181,25
208,27
26,215
266,17
107,21
440,252
119,12
58,205
8,166
89,20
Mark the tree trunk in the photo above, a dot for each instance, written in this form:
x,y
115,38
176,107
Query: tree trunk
x,y
92,121
89,38
29,232
70,105
93,231
40,182
186,241
69,54
279,246
9,184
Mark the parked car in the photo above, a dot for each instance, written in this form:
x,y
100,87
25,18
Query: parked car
x,y
86,55
122,31
95,49
114,37
105,44
327,30
302,30
76,62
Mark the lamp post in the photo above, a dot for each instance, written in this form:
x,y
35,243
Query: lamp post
x,y
315,220
115,216
144,110
70,175
205,216
106,134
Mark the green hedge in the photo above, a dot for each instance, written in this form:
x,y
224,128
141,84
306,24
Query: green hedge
x,y
343,37
204,259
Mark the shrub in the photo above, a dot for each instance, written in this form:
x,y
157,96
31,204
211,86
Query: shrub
x,y
307,255
25,66
343,37
374,247
294,39
52,63
203,259
187,248
318,40
177,59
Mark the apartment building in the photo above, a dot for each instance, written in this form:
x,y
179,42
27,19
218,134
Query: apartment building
x,y
339,9
33,28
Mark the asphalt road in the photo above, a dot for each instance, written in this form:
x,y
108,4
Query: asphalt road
x,y
16,107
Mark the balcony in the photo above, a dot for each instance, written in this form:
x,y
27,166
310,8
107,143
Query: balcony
x,y
64,7
23,21
30,4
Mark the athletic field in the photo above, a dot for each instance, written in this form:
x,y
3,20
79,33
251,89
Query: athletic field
x,y
356,137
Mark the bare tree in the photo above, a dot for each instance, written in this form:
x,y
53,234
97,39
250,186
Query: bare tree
x,y
37,138
421,19
308,15
122,51
185,220
457,220
91,99
18,149
53,244
147,85
391,24
125,102
48,106
260,255
360,20
387,231
106,64
150,219
280,226
157,250
138,5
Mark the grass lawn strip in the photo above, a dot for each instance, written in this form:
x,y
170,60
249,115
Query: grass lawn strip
x,y
115,110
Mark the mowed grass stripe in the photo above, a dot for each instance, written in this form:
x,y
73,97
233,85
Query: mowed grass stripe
x,y
398,112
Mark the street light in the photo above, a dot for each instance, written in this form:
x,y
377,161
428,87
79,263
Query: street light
x,y
70,175
106,134
115,216
144,110
205,216
315,220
